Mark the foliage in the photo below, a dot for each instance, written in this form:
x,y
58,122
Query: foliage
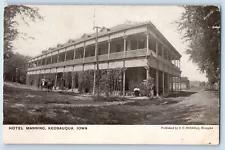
x,y
147,87
16,62
15,68
11,32
110,80
201,28
85,81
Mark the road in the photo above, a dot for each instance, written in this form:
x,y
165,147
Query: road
x,y
203,107
25,105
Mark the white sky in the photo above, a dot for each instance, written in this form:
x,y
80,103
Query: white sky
x,y
62,23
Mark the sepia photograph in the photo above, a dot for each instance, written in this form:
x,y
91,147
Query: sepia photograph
x,y
110,65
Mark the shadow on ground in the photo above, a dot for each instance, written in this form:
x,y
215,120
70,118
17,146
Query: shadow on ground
x,y
181,94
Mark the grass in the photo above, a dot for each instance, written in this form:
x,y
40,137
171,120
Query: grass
x,y
24,106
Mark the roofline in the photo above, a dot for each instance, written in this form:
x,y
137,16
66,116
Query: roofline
x,y
110,32
174,49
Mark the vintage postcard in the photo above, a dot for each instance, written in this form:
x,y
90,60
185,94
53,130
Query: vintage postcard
x,y
111,74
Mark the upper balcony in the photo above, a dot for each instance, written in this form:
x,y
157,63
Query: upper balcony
x,y
135,46
107,57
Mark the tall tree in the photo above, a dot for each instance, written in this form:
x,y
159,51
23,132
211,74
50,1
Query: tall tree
x,y
11,31
200,26
16,68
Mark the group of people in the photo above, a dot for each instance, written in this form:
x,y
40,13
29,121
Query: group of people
x,y
47,84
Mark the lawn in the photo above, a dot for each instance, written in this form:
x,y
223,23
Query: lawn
x,y
27,106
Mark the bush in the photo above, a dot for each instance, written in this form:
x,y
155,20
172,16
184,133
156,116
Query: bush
x,y
146,87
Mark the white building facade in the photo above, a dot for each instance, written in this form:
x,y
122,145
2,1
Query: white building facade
x,y
139,49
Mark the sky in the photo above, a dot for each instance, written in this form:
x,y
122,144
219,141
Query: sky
x,y
62,23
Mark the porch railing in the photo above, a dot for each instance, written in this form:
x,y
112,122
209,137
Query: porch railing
x,y
105,57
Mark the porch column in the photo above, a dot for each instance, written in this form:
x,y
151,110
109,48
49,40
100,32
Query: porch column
x,y
58,57
124,71
157,72
180,83
168,84
72,74
56,76
163,84
74,54
84,53
171,83
179,63
94,82
147,43
41,61
65,56
147,73
176,79
109,46
51,57
157,83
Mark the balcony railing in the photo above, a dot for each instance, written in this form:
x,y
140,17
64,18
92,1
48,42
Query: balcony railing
x,y
118,55
105,57
135,53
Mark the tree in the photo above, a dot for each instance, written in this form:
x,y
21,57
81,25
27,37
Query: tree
x,y
16,68
200,26
11,33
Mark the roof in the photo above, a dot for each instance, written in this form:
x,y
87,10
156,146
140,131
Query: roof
x,y
105,31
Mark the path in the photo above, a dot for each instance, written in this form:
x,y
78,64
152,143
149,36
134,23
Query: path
x,y
203,107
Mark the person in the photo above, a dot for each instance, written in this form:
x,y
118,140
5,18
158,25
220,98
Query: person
x,y
42,83
137,92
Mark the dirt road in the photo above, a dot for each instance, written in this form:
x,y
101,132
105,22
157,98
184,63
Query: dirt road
x,y
203,107
25,105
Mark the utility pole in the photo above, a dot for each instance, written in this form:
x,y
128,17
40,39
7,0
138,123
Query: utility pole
x,y
97,62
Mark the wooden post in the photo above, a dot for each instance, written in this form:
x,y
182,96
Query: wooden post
x,y
65,56
147,44
124,82
51,57
94,82
147,73
163,84
56,76
74,54
72,74
157,73
180,83
168,84
124,71
58,57
171,83
84,53
109,46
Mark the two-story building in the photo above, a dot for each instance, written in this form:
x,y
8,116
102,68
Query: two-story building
x,y
139,48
